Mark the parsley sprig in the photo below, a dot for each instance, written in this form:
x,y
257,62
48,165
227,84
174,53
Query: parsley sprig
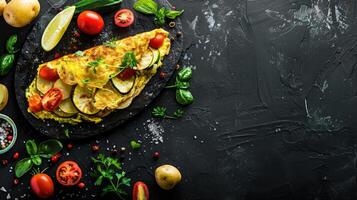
x,y
160,112
107,169
129,61
94,64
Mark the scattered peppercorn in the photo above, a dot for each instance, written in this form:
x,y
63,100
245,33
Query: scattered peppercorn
x,y
77,34
163,75
9,137
69,146
156,155
15,156
57,55
6,134
95,148
16,181
55,158
4,162
179,34
81,185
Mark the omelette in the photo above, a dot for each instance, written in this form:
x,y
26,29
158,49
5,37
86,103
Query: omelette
x,y
88,85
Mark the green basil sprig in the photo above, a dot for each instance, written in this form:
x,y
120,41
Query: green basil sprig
x,y
150,7
45,149
10,44
7,60
182,84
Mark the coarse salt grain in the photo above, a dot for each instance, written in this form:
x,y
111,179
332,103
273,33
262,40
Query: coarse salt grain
x,y
156,132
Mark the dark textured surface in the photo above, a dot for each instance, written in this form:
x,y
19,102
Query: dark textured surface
x,y
32,55
274,116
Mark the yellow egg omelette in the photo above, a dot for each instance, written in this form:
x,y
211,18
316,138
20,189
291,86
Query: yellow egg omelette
x,y
88,85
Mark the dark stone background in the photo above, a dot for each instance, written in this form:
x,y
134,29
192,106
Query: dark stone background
x,y
274,85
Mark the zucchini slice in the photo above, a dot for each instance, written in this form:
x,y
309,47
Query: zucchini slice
x,y
65,88
83,100
42,85
68,107
60,113
156,54
146,60
122,86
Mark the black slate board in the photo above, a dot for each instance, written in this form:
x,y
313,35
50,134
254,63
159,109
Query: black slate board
x,y
32,55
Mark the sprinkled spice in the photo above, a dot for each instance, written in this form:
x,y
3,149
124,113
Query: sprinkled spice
x,y
163,75
95,148
69,146
6,134
15,156
16,181
4,162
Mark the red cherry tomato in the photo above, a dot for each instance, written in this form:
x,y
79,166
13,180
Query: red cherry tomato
x,y
51,99
140,191
35,104
126,74
90,22
48,74
42,185
68,173
157,41
124,18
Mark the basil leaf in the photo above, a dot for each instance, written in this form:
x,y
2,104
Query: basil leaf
x,y
31,147
182,84
36,159
49,148
160,16
10,44
185,74
172,14
146,6
184,97
22,167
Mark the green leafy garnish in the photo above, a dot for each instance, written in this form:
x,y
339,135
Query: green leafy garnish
x,y
134,144
94,64
79,53
129,61
66,133
160,112
182,85
85,81
95,4
107,171
45,149
150,7
111,43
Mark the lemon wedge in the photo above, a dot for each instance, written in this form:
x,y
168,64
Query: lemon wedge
x,y
56,28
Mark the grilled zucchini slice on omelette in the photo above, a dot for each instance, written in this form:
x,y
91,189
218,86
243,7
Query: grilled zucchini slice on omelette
x,y
97,81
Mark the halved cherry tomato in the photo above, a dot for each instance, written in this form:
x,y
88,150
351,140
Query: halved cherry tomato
x,y
48,74
157,41
124,18
35,104
51,99
42,185
140,191
126,74
90,22
68,173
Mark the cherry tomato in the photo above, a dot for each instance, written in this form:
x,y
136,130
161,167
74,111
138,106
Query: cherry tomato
x,y
68,173
90,22
126,74
48,74
51,99
124,18
35,104
42,185
140,191
157,41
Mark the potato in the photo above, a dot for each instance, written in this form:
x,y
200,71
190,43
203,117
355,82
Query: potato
x,y
19,13
2,6
4,96
167,176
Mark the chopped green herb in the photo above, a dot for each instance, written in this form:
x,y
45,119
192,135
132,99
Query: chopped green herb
x,y
160,112
79,53
85,81
179,113
134,144
95,64
106,170
129,61
66,133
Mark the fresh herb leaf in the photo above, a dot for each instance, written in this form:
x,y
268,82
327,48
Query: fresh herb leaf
x,y
111,43
22,167
173,14
31,147
95,4
106,171
85,81
134,144
79,53
36,160
49,148
179,113
184,97
129,61
66,133
159,112
10,44
160,16
146,6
